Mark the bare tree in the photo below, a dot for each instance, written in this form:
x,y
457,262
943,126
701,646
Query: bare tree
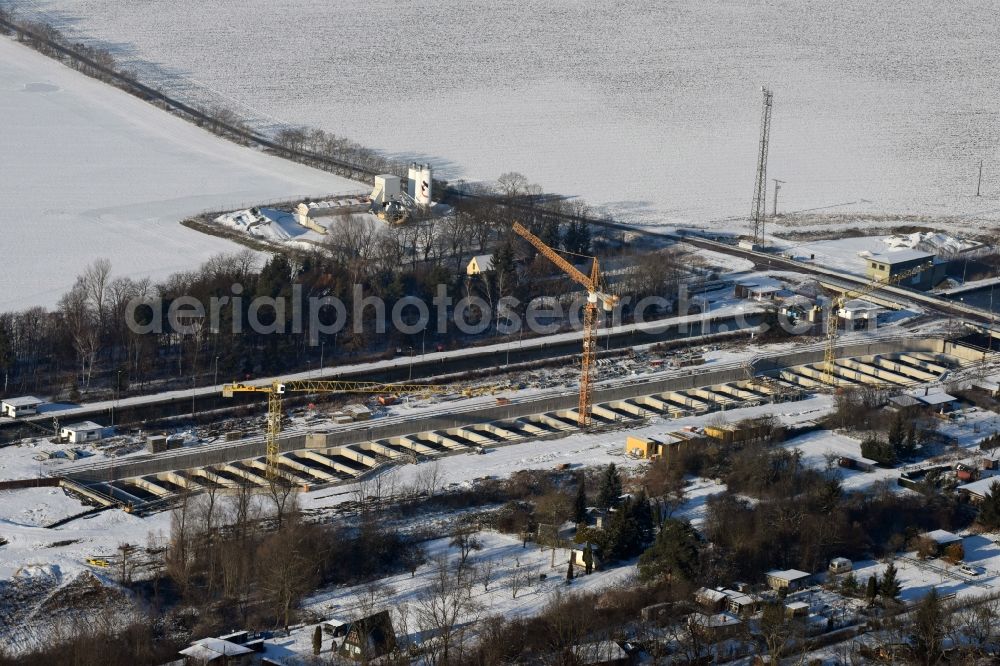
x,y
285,502
521,578
181,535
428,479
466,541
484,572
94,281
445,607
287,571
82,326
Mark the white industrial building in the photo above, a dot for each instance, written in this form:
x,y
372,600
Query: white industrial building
x,y
85,431
23,406
858,310
390,202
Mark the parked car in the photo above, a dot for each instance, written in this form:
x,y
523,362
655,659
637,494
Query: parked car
x,y
969,570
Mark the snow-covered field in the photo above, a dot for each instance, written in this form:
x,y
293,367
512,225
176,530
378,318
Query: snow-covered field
x,y
650,109
89,171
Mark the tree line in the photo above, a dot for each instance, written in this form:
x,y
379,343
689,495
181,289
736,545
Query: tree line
x,y
86,343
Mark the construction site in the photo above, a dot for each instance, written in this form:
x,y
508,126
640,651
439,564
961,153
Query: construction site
x,y
691,388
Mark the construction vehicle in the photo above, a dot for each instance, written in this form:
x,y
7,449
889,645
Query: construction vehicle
x,y
594,295
98,562
277,389
830,356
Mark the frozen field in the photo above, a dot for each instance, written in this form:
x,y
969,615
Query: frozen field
x,y
650,109
89,171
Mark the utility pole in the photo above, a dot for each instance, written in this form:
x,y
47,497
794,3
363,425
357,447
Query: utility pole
x,y
760,190
777,187
980,181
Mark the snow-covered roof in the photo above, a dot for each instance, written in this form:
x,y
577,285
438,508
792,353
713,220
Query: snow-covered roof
x,y
981,487
23,401
859,304
894,257
904,400
799,300
716,620
942,537
207,649
796,605
840,560
789,574
83,426
764,289
598,653
483,261
710,594
939,398
739,597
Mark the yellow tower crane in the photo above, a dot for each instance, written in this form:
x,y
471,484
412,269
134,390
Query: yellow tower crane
x,y
277,389
591,284
830,357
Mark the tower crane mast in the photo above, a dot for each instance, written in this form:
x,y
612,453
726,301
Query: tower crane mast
x,y
594,295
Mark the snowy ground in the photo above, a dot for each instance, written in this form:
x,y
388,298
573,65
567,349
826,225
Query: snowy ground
x,y
65,548
651,110
90,172
506,557
917,577
846,254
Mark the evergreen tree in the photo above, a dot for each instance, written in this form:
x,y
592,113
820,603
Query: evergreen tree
x,y
674,555
611,487
582,238
625,537
580,502
849,585
317,640
897,435
911,437
504,267
577,238
872,590
889,588
275,277
989,509
878,450
588,559
569,237
549,233
643,516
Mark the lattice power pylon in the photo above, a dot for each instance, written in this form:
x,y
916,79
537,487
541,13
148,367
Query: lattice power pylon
x,y
760,191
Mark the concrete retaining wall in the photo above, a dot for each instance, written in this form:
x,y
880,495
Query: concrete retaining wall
x,y
697,377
